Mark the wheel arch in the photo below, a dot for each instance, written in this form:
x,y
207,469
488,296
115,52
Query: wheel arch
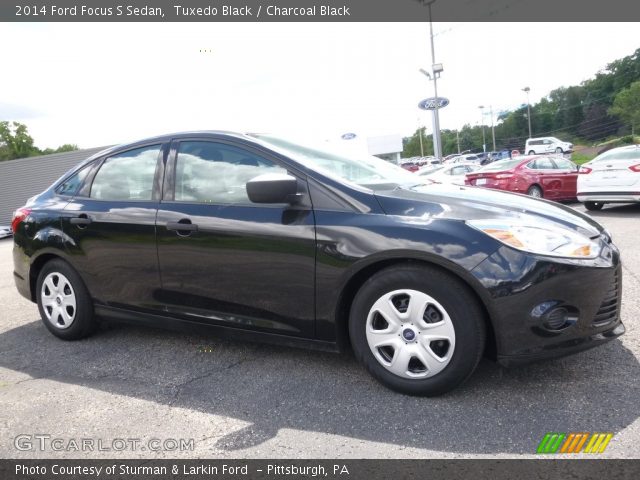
x,y
36,267
359,277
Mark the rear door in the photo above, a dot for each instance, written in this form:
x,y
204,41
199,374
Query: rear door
x,y
111,223
543,171
225,260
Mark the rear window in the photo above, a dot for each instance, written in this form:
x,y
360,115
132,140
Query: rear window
x,y
500,165
630,154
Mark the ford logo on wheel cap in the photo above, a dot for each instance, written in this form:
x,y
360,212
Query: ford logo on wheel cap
x,y
409,335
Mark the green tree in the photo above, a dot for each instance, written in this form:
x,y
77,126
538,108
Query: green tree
x,y
67,147
626,105
15,141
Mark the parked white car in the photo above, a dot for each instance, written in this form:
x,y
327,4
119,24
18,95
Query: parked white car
x,y
611,177
468,158
537,146
451,173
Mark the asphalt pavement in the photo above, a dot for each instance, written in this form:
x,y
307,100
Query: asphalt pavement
x,y
223,399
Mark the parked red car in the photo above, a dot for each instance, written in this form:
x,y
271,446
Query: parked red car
x,y
541,176
412,167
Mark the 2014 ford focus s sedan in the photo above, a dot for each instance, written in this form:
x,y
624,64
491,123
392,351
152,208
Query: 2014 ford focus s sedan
x,y
258,237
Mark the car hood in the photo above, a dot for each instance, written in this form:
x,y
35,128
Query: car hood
x,y
473,203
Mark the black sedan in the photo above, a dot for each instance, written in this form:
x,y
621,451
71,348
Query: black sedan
x,y
258,237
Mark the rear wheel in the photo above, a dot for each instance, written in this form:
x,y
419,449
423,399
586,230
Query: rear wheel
x,y
417,330
593,205
535,191
64,302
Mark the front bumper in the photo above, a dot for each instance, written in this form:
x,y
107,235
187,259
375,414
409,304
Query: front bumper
x,y
521,286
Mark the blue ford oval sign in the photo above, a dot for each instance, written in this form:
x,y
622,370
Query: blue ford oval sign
x,y
430,103
348,136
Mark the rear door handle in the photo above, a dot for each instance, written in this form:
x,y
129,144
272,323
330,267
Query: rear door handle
x,y
183,226
83,220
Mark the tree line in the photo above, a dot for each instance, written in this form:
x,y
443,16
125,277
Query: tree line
x,y
15,142
602,107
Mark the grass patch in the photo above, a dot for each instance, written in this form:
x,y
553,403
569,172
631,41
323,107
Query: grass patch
x,y
580,158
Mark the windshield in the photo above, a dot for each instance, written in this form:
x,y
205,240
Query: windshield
x,y
364,170
501,165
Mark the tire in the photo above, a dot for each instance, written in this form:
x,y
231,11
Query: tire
x,y
64,302
531,152
559,150
535,191
452,311
593,206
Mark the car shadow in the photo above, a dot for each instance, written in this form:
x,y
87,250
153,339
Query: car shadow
x,y
618,210
271,388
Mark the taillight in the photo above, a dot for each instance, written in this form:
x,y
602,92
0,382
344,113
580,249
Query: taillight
x,y
502,176
635,168
18,217
585,170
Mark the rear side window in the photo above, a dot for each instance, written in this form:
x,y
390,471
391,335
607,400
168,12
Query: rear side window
x,y
543,163
127,175
72,184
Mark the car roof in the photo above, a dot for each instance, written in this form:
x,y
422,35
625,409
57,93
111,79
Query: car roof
x,y
166,137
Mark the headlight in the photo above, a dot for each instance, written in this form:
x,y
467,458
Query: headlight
x,y
541,239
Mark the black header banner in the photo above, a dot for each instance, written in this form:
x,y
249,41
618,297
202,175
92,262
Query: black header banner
x,y
317,10
584,469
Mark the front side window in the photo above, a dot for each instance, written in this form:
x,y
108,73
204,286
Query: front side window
x,y
127,175
564,164
217,173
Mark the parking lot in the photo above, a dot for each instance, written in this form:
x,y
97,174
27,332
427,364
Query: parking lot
x,y
241,400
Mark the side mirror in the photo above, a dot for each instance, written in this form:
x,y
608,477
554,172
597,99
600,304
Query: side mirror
x,y
272,188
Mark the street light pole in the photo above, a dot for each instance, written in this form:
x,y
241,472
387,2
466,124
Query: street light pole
x,y
484,143
493,131
437,147
527,89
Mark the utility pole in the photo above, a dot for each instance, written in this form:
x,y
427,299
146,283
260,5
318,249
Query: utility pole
x,y
458,140
527,89
421,149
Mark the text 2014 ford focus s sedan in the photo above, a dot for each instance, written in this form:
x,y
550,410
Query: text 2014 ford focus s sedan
x,y
256,236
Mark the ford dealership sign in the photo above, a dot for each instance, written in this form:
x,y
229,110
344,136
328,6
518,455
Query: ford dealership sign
x,y
430,103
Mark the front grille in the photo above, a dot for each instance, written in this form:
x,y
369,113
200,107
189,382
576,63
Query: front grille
x,y
608,311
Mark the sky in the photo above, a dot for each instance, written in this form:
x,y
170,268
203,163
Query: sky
x,y
97,84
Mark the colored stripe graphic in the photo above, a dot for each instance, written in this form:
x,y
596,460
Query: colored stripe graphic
x,y
554,442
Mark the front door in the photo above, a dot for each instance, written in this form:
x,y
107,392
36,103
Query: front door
x,y
225,260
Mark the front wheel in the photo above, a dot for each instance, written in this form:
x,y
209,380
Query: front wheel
x,y
593,206
559,150
531,152
64,302
417,330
